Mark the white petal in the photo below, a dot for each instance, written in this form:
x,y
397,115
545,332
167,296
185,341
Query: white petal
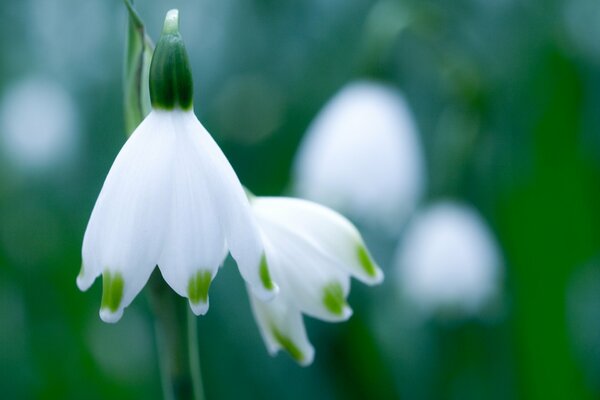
x,y
306,275
240,229
194,244
125,232
326,229
282,327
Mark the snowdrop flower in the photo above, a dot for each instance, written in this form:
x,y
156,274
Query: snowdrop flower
x,y
449,260
49,139
362,156
170,199
312,252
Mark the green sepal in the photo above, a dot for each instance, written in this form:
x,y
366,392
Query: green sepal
x,y
171,83
138,56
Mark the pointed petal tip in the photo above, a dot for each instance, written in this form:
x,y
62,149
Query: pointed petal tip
x,y
268,285
84,280
82,283
112,296
308,359
376,278
265,294
302,359
346,313
338,316
199,308
334,300
307,356
197,291
109,316
372,274
303,354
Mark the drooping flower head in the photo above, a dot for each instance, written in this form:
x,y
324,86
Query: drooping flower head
x,y
362,156
449,261
170,199
312,252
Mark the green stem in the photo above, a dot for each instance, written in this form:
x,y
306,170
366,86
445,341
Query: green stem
x,y
177,343
194,355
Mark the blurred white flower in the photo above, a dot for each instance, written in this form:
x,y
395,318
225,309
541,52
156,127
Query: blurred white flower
x,y
449,260
39,124
362,156
312,252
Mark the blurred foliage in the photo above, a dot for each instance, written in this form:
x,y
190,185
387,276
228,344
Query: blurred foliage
x,y
505,94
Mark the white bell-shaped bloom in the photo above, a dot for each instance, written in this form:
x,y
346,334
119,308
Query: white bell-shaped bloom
x,y
312,252
170,199
449,260
362,156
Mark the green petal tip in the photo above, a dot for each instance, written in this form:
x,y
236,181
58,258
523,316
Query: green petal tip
x,y
265,276
334,299
368,265
198,286
112,291
288,345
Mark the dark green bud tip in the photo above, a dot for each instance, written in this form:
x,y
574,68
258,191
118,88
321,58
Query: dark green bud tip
x,y
170,74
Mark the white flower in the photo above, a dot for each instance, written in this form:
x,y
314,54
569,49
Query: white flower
x,y
362,156
46,140
170,199
449,260
311,252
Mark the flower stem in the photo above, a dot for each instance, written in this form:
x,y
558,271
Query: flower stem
x,y
177,342
194,356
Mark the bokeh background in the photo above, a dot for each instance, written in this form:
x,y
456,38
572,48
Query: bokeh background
x,y
505,95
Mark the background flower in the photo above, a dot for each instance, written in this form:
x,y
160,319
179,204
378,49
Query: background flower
x,y
362,155
449,261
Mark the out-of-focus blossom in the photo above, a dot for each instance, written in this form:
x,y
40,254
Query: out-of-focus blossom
x,y
38,124
362,156
312,252
449,260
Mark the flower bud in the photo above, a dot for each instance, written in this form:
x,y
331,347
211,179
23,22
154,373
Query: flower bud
x,y
170,74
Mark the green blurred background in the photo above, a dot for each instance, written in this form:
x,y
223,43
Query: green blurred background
x,y
506,96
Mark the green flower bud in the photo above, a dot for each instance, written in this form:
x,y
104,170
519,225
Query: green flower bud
x,y
170,74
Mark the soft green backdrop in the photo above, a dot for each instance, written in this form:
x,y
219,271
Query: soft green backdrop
x,y
506,95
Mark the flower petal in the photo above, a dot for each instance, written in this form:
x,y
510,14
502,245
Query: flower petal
x,y
238,223
125,233
307,275
282,327
194,243
326,229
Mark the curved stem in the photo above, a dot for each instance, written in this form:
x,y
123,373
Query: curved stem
x,y
177,342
